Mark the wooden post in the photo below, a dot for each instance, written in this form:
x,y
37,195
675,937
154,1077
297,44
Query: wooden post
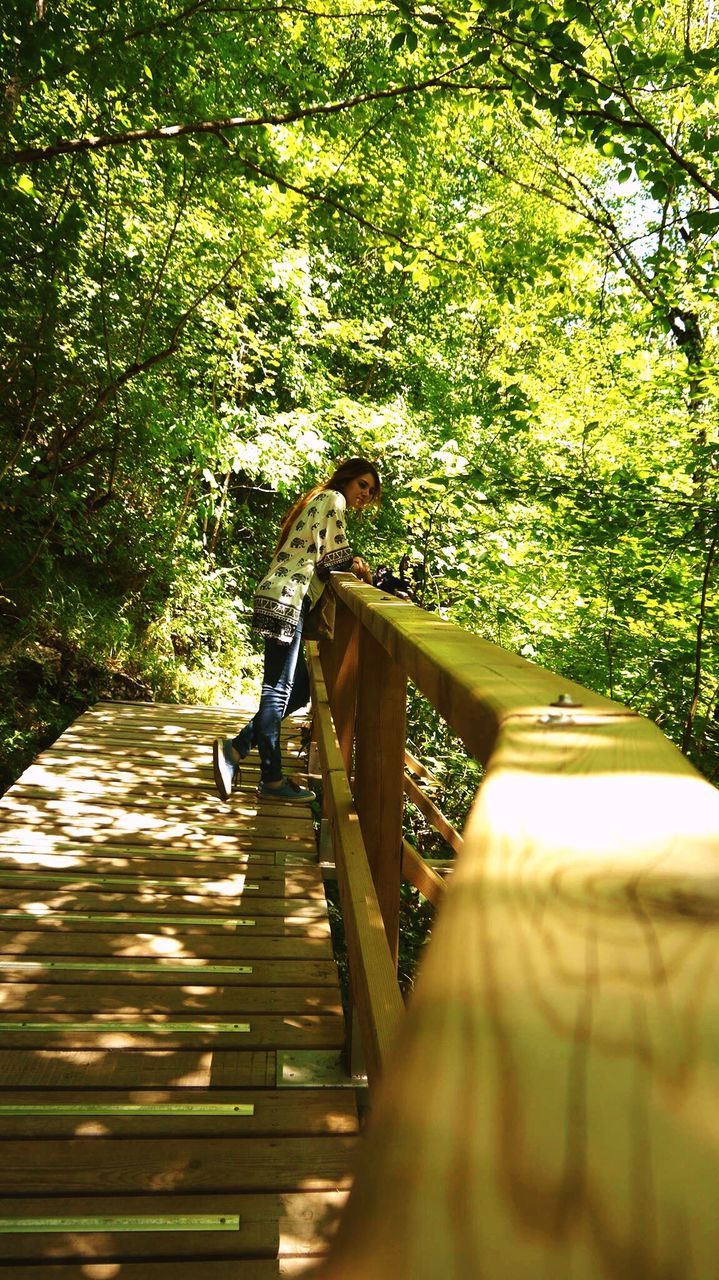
x,y
379,773
339,664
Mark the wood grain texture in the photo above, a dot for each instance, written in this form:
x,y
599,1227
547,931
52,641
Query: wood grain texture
x,y
379,773
149,1269
552,1106
231,886
85,997
52,1069
183,944
372,968
130,1166
132,1031
76,969
280,1225
474,684
117,863
277,1112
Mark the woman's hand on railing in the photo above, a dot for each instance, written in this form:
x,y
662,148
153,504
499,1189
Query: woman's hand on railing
x,y
361,569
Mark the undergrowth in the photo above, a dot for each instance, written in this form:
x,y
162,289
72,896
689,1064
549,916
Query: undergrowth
x,y
69,643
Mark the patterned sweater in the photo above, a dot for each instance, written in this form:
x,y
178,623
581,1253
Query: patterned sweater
x,y
315,545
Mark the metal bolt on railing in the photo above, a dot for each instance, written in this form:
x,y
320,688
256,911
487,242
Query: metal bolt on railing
x,y
564,703
565,700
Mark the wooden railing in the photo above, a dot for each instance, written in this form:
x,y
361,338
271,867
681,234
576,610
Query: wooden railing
x,y
415,868
549,1104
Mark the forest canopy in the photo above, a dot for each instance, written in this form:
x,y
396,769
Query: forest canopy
x,y
476,243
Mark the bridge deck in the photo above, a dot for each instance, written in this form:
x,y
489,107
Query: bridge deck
x,y
164,952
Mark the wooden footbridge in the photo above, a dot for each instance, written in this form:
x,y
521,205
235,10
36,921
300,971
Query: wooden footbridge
x,y
173,1098
167,990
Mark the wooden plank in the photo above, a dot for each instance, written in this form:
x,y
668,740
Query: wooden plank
x,y
60,1031
268,926
70,831
172,820
234,1269
417,769
288,1112
163,731
151,1069
151,927
183,943
231,888
163,924
160,1030
201,803
278,1225
35,908
174,908
134,894
74,968
105,998
179,1165
145,860
166,729
379,774
40,836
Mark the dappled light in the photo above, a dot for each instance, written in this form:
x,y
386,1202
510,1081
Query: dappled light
x,y
97,1270
91,1129
597,834
156,957
242,245
162,946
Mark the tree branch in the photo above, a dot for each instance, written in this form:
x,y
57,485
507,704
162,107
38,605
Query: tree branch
x,y
170,132
106,340
321,198
202,7
182,203
641,123
138,367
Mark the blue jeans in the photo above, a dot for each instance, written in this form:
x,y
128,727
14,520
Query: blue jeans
x,y
285,688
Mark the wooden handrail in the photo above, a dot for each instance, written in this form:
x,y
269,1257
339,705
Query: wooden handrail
x,y
550,1106
474,684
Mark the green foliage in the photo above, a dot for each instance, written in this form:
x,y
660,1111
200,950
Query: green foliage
x,y
496,274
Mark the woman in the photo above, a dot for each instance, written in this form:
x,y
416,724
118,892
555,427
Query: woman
x,y
312,543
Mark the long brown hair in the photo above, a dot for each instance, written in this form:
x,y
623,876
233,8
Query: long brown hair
x,y
341,476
